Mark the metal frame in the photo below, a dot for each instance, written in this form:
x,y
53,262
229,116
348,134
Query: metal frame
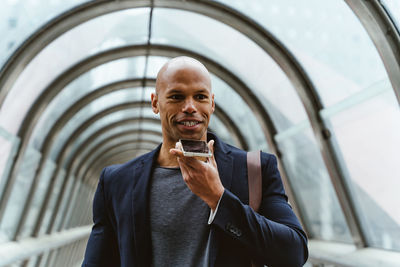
x,y
79,179
118,152
82,148
66,150
324,253
106,147
93,9
384,35
218,112
16,251
56,86
50,138
55,130
281,55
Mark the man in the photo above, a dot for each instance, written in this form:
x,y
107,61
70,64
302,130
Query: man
x,y
164,209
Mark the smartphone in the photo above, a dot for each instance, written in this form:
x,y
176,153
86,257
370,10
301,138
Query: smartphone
x,y
195,148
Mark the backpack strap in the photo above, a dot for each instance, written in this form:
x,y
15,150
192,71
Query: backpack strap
x,y
254,179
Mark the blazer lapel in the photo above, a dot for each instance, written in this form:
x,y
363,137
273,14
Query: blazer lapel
x,y
225,167
140,208
224,161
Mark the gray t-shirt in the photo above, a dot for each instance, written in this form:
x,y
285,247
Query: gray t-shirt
x,y
178,222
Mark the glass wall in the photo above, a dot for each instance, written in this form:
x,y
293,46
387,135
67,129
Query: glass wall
x,y
83,102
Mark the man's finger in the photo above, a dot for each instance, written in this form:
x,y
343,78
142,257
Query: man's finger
x,y
211,147
183,167
176,152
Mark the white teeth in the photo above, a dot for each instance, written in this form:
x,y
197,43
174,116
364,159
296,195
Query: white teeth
x,y
189,123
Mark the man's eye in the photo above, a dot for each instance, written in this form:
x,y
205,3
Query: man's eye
x,y
176,97
201,97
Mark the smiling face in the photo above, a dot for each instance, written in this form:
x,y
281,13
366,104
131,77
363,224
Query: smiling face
x,y
184,100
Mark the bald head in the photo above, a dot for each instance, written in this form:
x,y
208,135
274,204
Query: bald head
x,y
183,99
182,69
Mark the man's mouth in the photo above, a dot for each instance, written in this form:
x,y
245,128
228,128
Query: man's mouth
x,y
189,123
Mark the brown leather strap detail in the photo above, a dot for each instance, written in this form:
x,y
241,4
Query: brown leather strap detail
x,y
254,179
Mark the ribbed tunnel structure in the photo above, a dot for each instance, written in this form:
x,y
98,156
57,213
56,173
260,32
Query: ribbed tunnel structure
x,y
315,82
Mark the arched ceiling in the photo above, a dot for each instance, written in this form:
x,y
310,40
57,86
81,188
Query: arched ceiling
x,y
103,146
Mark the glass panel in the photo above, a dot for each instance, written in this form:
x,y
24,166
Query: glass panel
x,y
64,204
19,193
86,212
333,47
393,8
9,145
38,198
109,119
44,259
310,180
253,66
90,81
242,116
106,101
43,69
154,65
80,207
367,130
118,130
72,204
217,127
32,261
52,202
20,18
110,149
219,42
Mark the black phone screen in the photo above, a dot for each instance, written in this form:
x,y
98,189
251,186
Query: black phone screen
x,y
194,146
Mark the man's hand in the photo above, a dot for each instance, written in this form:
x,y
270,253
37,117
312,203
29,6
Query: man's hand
x,y
202,178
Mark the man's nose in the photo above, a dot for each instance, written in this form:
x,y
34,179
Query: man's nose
x,y
189,106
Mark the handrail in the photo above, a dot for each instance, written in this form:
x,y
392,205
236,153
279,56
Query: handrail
x,y
26,248
347,255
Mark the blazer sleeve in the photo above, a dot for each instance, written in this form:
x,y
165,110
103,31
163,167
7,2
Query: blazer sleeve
x,y
273,236
102,246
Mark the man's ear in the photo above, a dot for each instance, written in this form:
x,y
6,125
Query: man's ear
x,y
154,103
212,103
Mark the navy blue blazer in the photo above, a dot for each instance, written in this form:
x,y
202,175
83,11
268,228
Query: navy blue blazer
x,y
121,231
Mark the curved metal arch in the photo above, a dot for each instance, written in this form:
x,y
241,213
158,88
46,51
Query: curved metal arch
x,y
67,147
384,35
87,155
117,155
230,17
119,85
91,139
142,146
49,93
83,168
75,155
208,8
65,151
76,190
116,152
81,148
55,130
52,30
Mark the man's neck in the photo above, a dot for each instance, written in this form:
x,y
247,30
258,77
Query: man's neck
x,y
166,159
